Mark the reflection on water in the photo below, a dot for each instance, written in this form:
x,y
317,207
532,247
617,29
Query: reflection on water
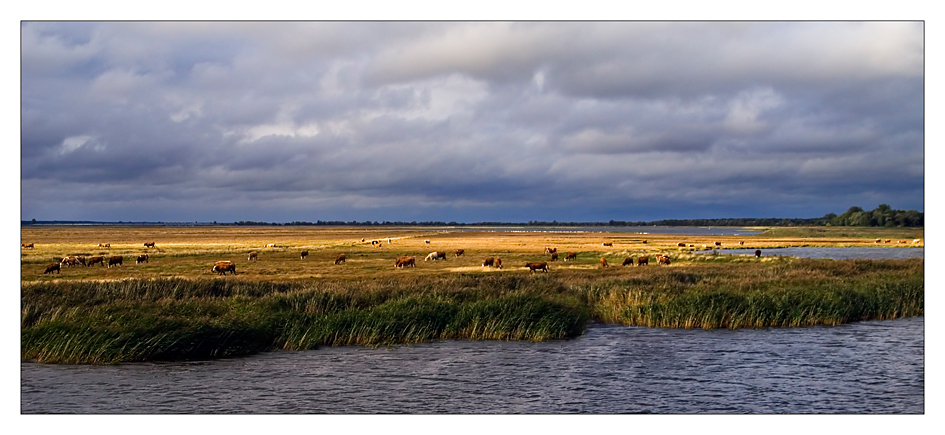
x,y
865,367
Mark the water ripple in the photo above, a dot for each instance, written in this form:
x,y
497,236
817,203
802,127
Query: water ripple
x,y
866,367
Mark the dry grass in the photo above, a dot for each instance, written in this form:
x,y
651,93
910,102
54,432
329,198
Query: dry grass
x,y
189,252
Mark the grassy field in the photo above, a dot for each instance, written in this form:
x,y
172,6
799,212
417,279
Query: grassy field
x,y
174,307
190,252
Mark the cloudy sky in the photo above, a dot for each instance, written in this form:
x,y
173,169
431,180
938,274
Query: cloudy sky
x,y
468,121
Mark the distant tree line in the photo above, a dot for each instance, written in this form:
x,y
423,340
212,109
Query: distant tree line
x,y
881,216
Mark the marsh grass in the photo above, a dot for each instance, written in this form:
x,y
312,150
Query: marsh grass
x,y
175,318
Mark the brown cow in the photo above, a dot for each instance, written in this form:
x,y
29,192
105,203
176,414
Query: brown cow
x,y
551,250
68,261
570,256
405,261
886,241
628,261
608,243
52,267
148,244
270,245
489,261
340,258
460,252
878,241
143,258
115,260
253,255
914,242
643,261
758,253
681,245
554,256
718,243
603,262
222,267
662,259
537,266
97,259
498,263
644,242
104,245
741,242
902,241
28,245
427,241
304,254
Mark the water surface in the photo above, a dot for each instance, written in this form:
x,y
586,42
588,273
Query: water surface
x,y
873,367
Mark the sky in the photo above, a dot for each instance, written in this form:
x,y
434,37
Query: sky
x,y
468,121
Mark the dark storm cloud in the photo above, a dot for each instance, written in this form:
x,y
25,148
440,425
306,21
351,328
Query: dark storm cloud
x,y
468,121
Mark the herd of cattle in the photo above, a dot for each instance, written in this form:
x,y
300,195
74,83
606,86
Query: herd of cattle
x,y
222,267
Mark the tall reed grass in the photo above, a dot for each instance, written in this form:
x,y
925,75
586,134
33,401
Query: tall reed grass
x,y
179,319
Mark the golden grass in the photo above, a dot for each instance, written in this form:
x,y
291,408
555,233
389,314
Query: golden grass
x,y
189,252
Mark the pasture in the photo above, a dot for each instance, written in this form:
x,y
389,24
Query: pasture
x,y
189,252
173,307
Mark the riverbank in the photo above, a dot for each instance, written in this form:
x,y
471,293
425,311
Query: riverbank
x,y
153,319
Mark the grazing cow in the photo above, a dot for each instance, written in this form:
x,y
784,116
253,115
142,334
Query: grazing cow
x,y
148,244
405,261
643,261
643,241
886,241
627,261
537,266
52,267
28,245
554,256
115,260
436,255
603,262
551,250
878,241
758,253
253,255
104,245
489,261
143,258
681,245
67,261
427,241
270,245
608,243
570,256
901,241
81,260
691,245
460,252
914,242
97,259
222,267
498,263
304,254
718,243
662,259
340,259
741,243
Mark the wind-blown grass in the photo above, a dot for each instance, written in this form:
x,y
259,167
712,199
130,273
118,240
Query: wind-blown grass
x,y
176,319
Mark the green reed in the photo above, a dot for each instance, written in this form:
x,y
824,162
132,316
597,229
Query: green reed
x,y
175,319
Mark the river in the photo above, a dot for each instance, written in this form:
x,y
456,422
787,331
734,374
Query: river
x,y
873,367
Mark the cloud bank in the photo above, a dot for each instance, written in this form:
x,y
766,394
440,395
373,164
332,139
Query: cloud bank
x,y
469,121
